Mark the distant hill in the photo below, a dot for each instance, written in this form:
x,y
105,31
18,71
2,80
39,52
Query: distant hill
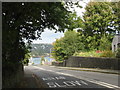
x,y
40,49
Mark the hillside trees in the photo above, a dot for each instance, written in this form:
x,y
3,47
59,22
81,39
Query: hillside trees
x,y
40,49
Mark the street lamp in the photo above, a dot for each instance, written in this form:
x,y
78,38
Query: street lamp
x,y
50,51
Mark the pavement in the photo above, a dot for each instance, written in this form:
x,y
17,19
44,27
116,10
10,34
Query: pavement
x,y
108,71
30,80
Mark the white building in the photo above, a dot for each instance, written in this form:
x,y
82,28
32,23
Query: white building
x,y
116,43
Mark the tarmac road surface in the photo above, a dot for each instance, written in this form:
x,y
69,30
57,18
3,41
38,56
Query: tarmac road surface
x,y
54,77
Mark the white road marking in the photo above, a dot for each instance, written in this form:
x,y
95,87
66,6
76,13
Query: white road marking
x,y
43,69
93,81
69,84
64,74
60,85
106,84
64,84
75,83
100,83
54,78
39,68
50,70
83,82
60,77
51,84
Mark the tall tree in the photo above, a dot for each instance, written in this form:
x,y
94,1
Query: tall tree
x,y
99,21
116,8
66,46
27,21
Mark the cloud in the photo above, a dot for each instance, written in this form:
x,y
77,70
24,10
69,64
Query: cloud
x,y
49,36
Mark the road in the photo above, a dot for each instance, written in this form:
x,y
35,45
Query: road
x,y
63,78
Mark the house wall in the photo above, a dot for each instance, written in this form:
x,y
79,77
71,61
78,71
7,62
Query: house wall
x,y
115,42
119,38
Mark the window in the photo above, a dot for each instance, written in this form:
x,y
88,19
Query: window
x,y
118,45
114,47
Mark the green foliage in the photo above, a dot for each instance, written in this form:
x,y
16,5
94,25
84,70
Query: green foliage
x,y
98,20
116,8
117,53
33,63
88,54
26,59
58,52
105,43
42,59
98,16
107,53
67,46
26,21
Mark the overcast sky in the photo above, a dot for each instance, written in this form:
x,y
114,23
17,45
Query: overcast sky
x,y
49,36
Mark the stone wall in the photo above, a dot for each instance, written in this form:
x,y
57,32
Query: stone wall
x,y
93,62
13,79
57,64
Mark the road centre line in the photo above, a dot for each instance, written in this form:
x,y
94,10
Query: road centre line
x,y
64,74
43,69
54,71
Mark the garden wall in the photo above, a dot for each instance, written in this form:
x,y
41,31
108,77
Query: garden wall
x,y
93,62
57,64
12,78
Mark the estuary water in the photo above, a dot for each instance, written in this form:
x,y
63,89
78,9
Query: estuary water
x,y
37,60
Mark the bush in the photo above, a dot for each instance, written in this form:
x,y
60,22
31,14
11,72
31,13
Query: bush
x,y
88,54
107,53
117,53
98,53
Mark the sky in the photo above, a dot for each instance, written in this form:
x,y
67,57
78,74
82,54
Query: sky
x,y
49,36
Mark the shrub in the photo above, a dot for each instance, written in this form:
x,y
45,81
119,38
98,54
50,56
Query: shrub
x,y
117,53
107,53
89,54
